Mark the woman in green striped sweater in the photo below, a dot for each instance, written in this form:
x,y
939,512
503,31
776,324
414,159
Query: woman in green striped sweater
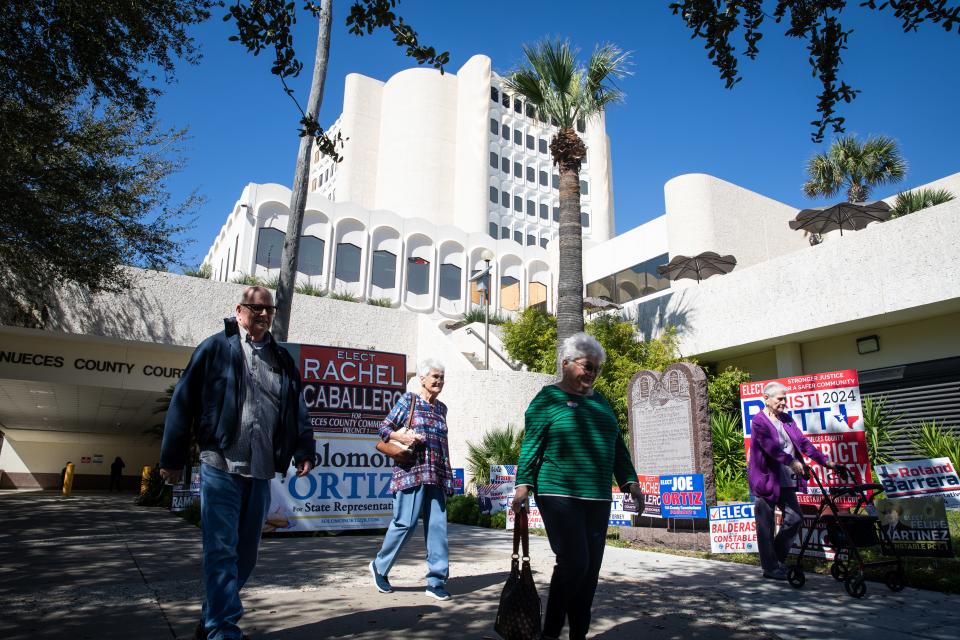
x,y
572,447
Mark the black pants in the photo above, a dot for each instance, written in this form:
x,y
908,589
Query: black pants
x,y
115,482
577,530
774,549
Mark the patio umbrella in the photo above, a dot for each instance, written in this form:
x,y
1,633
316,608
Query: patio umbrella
x,y
699,267
844,215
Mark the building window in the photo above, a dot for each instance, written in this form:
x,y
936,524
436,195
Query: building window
x,y
505,133
531,240
556,181
347,268
236,245
504,233
543,178
543,145
449,286
639,280
530,142
581,125
494,195
556,214
518,236
518,204
494,94
418,276
494,126
494,160
505,99
517,170
310,257
517,137
517,105
504,199
505,165
584,219
313,185
543,243
531,112
544,212
269,247
493,230
531,174
531,208
384,269
509,293
583,188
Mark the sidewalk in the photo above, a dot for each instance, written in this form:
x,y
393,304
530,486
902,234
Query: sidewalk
x,y
94,566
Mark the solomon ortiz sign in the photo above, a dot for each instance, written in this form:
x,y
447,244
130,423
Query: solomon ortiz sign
x,y
348,393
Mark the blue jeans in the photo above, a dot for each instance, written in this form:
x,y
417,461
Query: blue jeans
x,y
430,502
577,531
232,510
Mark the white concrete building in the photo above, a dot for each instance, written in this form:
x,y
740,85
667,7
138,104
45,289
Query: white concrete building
x,y
436,169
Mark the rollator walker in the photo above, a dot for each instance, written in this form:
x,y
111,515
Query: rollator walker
x,y
847,533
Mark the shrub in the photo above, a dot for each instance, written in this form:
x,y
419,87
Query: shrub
x,y
203,271
934,440
912,201
346,296
723,389
380,302
463,510
729,457
500,445
308,289
531,339
251,281
475,314
878,428
733,489
498,520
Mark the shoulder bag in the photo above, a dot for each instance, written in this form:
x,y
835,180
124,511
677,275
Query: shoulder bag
x,y
518,617
399,453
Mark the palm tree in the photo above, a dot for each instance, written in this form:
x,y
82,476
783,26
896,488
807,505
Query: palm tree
x,y
856,167
563,92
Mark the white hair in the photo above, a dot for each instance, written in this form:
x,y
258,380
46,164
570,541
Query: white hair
x,y
582,345
773,387
427,365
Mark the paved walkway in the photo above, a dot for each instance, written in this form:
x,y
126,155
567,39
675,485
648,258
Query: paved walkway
x,y
95,566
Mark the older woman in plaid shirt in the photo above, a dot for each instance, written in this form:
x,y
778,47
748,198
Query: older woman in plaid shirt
x,y
421,489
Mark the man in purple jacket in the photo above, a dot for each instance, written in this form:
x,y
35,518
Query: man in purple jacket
x,y
775,472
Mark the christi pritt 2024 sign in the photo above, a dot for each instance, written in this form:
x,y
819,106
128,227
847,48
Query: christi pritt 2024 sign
x,y
348,393
826,407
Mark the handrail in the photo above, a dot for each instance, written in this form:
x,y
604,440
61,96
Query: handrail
x,y
495,351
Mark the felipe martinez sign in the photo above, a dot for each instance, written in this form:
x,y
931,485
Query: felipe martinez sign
x,y
348,393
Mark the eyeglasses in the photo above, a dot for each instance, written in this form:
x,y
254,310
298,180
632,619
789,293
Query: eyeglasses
x,y
588,367
257,309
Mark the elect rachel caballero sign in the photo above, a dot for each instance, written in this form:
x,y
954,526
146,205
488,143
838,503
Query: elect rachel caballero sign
x,y
348,393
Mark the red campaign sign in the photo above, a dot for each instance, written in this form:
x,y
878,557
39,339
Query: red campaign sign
x,y
827,409
650,485
349,390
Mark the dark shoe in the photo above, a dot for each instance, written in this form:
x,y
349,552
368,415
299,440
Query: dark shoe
x,y
200,633
381,582
777,574
438,592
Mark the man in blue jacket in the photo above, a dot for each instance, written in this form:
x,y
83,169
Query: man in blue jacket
x,y
241,396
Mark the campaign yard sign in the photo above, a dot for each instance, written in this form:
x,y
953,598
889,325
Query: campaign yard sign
x,y
534,519
826,407
348,393
458,481
682,496
733,529
917,478
915,527
650,485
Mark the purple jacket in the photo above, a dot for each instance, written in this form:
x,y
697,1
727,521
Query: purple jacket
x,y
766,456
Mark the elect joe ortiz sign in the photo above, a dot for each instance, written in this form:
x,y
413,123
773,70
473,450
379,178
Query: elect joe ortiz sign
x,y
348,393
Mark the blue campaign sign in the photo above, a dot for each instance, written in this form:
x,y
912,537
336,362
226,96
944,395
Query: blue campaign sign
x,y
458,482
682,496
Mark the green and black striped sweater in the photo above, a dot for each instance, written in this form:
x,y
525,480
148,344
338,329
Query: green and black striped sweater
x,y
572,446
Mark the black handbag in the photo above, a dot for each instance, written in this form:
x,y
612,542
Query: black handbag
x,y
518,617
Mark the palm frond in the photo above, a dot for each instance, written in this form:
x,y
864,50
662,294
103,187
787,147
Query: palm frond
x,y
913,201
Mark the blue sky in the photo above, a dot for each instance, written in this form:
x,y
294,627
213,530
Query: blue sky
x,y
678,117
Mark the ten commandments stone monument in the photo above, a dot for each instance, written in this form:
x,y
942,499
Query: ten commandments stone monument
x,y
670,423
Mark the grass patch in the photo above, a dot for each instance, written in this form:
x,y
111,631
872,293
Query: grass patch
x,y
380,302
308,289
